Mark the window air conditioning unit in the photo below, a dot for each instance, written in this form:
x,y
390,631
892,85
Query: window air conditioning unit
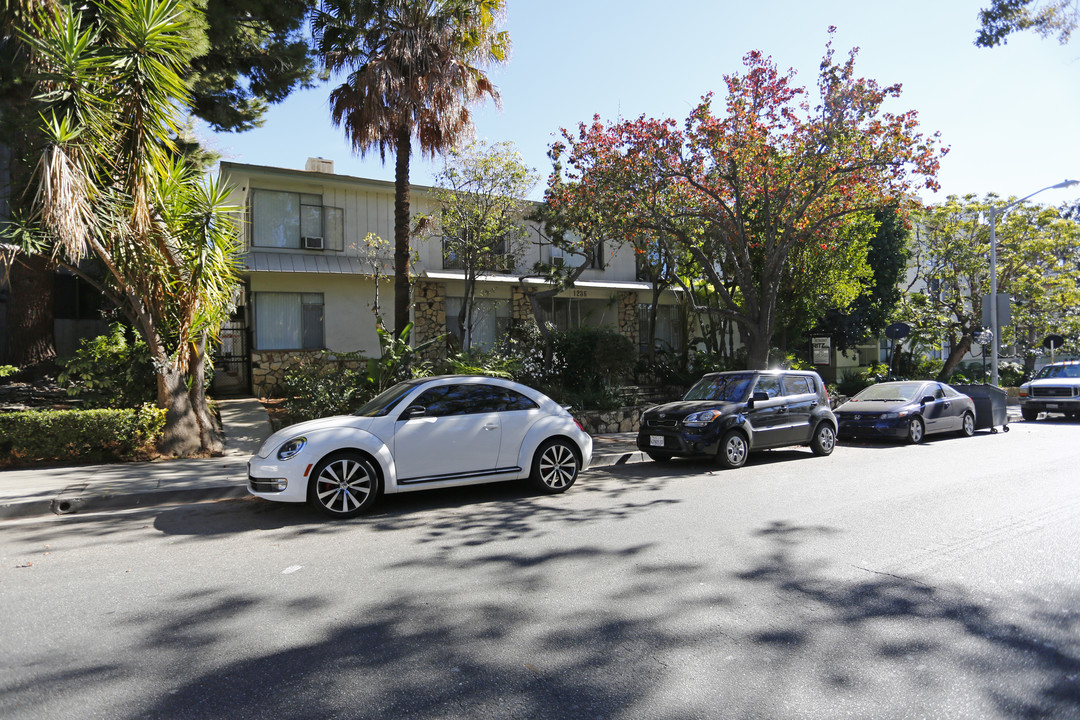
x,y
558,260
312,243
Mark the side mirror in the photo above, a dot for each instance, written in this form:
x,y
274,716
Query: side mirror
x,y
756,398
413,411
927,399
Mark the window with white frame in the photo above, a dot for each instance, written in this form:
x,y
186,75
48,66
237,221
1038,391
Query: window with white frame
x,y
288,321
490,320
284,219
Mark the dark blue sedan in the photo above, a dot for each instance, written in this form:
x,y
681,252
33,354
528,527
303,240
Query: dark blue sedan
x,y
906,410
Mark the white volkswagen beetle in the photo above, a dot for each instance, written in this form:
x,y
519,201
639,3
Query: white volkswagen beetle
x,y
435,432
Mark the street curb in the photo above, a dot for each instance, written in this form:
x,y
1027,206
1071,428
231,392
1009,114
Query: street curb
x,y
75,500
609,459
68,503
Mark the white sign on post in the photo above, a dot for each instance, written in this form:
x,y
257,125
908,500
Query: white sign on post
x,y
821,346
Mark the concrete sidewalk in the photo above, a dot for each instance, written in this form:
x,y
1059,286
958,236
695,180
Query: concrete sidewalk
x,y
89,488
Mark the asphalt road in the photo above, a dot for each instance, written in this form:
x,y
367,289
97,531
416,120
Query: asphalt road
x,y
885,581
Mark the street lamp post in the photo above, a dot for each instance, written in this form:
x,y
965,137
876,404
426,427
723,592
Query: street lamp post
x,y
993,273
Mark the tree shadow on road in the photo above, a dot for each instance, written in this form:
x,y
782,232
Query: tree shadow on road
x,y
785,632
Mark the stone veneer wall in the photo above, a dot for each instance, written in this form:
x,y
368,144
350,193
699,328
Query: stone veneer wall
x,y
429,318
623,420
520,307
268,367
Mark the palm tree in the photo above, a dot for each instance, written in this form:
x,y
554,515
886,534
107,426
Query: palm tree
x,y
414,67
110,185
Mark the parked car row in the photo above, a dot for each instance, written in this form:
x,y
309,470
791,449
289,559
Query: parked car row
x,y
452,431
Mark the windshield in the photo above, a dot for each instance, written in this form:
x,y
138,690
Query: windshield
x,y
723,388
385,401
903,391
1059,371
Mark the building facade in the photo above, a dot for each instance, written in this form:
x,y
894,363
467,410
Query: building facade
x,y
314,277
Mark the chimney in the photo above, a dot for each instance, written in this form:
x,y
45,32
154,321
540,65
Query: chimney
x,y
320,165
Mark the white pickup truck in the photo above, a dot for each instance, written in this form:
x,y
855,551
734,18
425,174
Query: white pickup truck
x,y
1055,389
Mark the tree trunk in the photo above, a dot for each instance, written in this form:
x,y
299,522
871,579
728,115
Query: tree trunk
x,y
189,427
956,354
402,294
30,311
757,349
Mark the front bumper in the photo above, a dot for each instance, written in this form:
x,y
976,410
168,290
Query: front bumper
x,y
1054,405
871,426
685,442
278,480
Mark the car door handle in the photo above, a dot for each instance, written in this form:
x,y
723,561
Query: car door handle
x,y
491,427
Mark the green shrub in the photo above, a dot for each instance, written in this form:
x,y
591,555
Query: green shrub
x,y
492,364
1011,374
85,435
6,370
853,380
322,386
110,370
589,358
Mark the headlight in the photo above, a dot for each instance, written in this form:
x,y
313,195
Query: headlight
x,y
701,419
895,415
291,447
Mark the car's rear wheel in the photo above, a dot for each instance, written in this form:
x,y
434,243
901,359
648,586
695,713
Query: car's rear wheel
x,y
734,449
659,457
824,439
1029,414
967,426
915,430
343,485
555,466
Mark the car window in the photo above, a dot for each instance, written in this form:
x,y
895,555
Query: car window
x,y
447,400
385,402
939,392
770,385
797,385
516,401
722,388
1059,371
897,391
951,392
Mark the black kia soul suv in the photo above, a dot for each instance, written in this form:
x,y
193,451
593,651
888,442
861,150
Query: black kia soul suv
x,y
728,415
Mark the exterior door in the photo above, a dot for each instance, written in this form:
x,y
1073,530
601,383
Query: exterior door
x,y
801,397
458,435
767,416
232,361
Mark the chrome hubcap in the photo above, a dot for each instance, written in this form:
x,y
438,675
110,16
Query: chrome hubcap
x,y
916,430
826,439
736,450
558,466
343,485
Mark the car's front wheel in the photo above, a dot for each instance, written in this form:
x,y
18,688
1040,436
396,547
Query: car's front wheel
x,y
915,430
343,485
824,439
967,427
555,466
734,449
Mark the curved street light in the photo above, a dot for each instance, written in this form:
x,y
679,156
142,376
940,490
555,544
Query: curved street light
x,y
993,273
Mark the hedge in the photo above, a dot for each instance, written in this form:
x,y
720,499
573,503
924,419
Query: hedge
x,y
94,435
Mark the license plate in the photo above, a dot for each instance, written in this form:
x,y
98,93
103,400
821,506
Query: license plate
x,y
1051,406
656,440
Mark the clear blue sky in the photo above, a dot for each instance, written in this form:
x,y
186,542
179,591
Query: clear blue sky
x,y
1010,114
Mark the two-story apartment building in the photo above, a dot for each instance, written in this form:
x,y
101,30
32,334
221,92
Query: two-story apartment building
x,y
310,277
